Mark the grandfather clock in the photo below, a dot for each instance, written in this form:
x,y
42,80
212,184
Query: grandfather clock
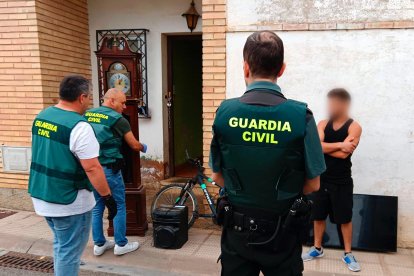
x,y
119,67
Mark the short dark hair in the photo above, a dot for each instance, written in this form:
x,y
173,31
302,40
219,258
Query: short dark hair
x,y
72,86
339,93
264,53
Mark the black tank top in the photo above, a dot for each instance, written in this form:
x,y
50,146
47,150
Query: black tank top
x,y
337,169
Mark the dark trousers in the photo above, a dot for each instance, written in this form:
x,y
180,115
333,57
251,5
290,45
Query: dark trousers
x,y
238,259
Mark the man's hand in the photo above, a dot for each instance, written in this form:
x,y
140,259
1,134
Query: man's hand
x,y
218,178
144,147
134,143
311,185
348,145
327,148
111,205
96,175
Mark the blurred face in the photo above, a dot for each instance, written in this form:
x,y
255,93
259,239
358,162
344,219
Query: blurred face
x,y
118,102
337,108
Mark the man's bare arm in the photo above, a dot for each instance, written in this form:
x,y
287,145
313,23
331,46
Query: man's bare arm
x,y
311,185
354,136
96,175
354,132
132,142
326,147
340,154
348,145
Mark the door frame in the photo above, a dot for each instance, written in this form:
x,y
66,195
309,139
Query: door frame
x,y
169,112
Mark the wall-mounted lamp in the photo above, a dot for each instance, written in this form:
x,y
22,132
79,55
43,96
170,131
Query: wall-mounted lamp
x,y
191,15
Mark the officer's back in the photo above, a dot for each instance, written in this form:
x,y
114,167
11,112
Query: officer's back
x,y
267,152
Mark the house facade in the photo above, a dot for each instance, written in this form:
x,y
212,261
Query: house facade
x,y
365,46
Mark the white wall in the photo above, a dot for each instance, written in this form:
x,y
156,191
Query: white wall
x,y
377,67
159,16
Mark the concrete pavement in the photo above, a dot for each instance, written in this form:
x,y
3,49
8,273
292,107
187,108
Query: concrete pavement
x,y
26,232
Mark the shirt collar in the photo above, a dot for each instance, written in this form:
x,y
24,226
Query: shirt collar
x,y
264,85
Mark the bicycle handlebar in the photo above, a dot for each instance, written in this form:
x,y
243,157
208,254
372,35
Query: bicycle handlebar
x,y
195,161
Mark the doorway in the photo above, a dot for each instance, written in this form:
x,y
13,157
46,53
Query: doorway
x,y
184,101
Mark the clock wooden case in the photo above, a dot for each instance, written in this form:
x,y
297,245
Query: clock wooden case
x,y
119,67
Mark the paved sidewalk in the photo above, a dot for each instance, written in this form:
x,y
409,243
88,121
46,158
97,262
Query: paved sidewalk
x,y
25,232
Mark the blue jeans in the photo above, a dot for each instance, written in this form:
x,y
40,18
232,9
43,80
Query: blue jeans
x,y
117,186
71,235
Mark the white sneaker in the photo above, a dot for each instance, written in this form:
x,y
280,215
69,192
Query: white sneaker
x,y
99,250
129,247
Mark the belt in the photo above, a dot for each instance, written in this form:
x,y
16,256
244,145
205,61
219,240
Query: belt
x,y
269,228
110,165
243,222
256,212
116,166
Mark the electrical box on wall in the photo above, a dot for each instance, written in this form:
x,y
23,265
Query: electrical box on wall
x,y
16,159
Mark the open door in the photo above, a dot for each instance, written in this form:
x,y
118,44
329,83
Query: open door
x,y
184,99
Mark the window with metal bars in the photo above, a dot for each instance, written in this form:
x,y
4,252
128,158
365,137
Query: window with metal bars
x,y
137,42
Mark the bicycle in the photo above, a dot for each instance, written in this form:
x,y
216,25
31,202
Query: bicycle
x,y
182,194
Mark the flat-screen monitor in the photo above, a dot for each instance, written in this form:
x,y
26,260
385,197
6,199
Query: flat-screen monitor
x,y
374,225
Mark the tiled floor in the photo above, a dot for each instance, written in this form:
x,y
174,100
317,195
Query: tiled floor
x,y
26,232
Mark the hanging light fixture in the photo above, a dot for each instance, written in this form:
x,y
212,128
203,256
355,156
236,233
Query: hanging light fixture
x,y
191,15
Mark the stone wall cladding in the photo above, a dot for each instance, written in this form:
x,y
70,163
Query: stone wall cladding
x,y
15,199
267,12
324,26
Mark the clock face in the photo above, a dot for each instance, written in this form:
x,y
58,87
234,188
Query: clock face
x,y
118,77
120,81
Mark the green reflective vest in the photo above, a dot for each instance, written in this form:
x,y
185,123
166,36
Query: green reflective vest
x,y
262,153
102,120
56,174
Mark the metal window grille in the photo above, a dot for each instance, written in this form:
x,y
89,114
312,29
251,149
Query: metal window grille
x,y
137,42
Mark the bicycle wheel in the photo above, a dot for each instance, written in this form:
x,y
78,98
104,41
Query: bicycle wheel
x,y
169,194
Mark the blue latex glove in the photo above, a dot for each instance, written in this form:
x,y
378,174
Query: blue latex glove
x,y
145,147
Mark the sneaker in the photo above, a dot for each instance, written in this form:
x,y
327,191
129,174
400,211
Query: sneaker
x,y
99,250
351,262
129,247
312,254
